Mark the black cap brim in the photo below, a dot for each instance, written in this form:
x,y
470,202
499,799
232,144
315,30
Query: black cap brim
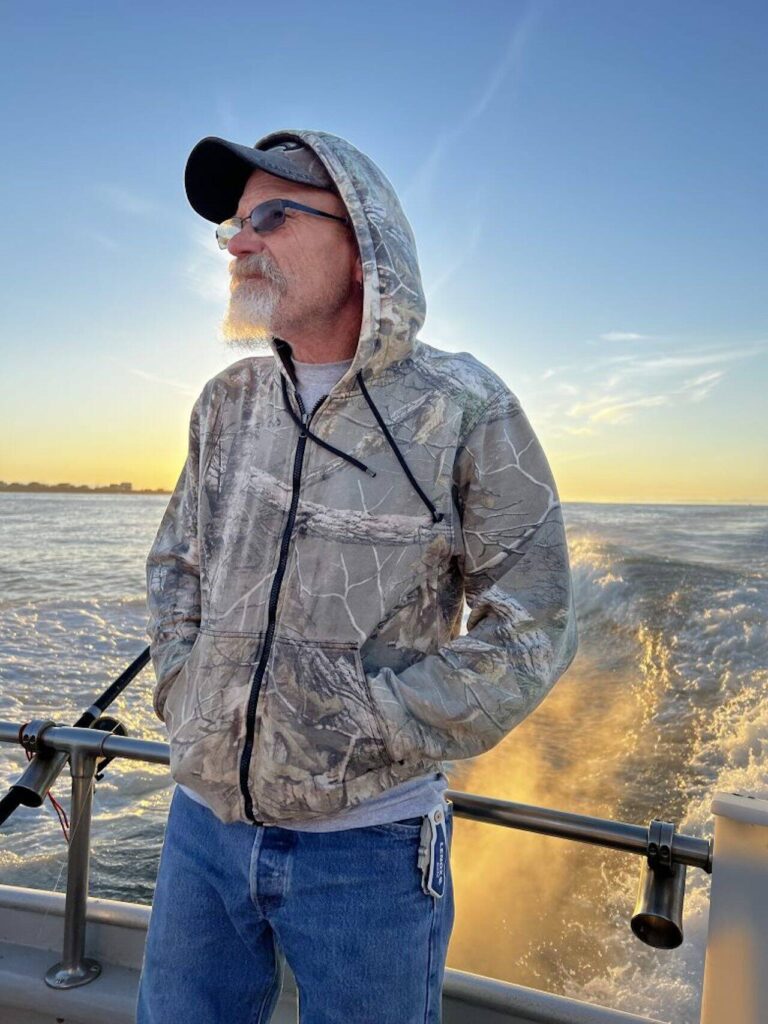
x,y
217,171
215,176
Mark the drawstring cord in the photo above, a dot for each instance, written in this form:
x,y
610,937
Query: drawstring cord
x,y
304,429
318,440
436,516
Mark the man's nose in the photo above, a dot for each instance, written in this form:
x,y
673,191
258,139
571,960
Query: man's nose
x,y
245,241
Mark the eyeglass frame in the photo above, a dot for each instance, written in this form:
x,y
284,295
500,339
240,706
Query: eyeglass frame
x,y
285,203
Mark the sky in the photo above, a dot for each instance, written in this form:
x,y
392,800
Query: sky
x,y
585,179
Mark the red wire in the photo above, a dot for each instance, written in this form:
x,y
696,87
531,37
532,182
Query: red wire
x,y
56,806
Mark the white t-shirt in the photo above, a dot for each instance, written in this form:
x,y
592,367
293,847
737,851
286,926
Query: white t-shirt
x,y
317,379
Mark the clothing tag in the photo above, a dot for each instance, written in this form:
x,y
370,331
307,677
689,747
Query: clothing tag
x,y
433,852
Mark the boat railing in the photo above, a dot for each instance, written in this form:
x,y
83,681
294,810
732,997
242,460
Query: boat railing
x,y
657,917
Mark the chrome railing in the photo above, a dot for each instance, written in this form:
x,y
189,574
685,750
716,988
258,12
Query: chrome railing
x,y
657,918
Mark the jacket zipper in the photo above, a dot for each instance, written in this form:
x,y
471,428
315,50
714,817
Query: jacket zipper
x,y
258,674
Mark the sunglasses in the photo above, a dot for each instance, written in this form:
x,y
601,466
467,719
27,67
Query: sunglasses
x,y
265,217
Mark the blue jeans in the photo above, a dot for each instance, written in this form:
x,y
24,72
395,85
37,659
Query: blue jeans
x,y
345,909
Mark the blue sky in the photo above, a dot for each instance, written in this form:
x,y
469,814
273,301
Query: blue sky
x,y
586,181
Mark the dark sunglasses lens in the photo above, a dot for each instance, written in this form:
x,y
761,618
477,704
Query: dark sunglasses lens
x,y
268,216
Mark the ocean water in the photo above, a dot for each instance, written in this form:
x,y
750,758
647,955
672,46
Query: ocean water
x,y
665,704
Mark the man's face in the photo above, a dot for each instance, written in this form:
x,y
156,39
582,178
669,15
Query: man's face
x,y
300,275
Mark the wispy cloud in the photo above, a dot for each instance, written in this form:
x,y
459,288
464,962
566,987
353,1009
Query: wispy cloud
x,y
606,408
632,365
699,388
183,387
176,385
615,390
105,241
561,385
470,240
125,201
626,336
610,409
422,184
579,431
510,62
205,267
227,118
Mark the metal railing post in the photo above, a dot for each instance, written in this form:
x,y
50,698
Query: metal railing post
x,y
74,968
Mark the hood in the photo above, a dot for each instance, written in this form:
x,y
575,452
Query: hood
x,y
394,306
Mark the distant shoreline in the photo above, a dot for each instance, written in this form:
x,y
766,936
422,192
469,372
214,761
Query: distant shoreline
x,y
36,488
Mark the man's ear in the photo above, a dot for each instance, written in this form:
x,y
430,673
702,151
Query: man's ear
x,y
358,271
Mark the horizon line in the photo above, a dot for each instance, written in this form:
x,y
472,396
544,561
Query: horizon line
x,y
101,488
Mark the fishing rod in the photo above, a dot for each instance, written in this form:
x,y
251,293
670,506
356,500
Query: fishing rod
x,y
46,765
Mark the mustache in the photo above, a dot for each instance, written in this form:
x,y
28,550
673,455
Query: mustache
x,y
252,263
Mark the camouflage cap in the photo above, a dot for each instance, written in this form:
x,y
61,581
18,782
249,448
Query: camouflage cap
x,y
217,171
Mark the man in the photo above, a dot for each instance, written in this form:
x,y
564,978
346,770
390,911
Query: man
x,y
343,493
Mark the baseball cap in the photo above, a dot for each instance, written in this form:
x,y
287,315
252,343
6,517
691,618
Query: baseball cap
x,y
217,171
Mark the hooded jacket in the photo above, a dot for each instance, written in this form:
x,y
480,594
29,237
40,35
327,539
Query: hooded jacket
x,y
307,581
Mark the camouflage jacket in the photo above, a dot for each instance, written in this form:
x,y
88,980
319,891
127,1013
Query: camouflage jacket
x,y
306,585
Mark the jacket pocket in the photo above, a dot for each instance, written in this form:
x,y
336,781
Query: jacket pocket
x,y
173,708
205,717
317,720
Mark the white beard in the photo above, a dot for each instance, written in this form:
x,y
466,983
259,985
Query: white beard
x,y
249,320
